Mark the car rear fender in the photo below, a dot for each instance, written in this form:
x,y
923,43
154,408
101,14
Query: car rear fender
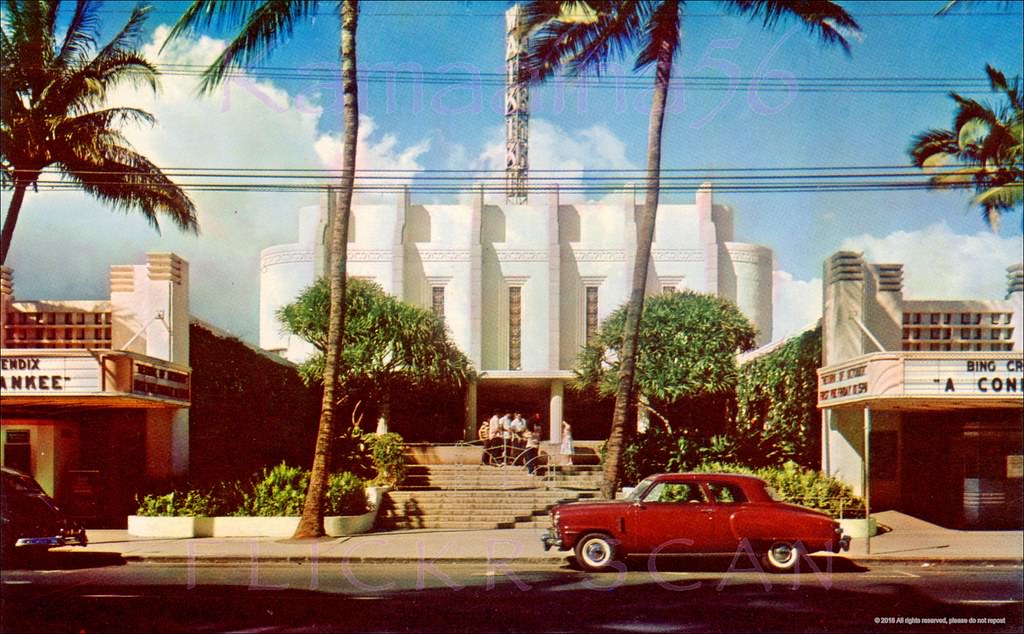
x,y
767,524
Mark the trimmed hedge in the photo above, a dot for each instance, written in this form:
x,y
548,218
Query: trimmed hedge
x,y
798,485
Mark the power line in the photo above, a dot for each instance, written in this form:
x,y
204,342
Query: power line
x,y
703,83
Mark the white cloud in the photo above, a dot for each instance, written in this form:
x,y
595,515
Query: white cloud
x,y
66,241
384,153
796,304
559,155
941,264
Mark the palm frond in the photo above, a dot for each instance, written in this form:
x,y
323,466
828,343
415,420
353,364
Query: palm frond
x,y
202,14
932,142
1005,196
128,181
128,37
662,31
81,35
272,22
580,46
825,19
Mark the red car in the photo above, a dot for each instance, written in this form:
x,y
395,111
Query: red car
x,y
691,513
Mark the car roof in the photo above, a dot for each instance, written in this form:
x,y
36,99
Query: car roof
x,y
737,478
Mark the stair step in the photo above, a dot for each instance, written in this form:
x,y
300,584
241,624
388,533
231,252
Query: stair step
x,y
483,496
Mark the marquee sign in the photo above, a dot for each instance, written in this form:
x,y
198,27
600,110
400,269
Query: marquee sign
x,y
24,374
963,377
915,375
40,376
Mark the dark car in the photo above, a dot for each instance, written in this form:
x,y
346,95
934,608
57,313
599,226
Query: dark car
x,y
30,519
693,513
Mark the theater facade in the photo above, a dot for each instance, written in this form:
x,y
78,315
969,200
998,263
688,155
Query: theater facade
x,y
522,286
94,395
922,400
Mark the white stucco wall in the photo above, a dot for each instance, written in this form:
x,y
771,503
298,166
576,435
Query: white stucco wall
x,y
477,251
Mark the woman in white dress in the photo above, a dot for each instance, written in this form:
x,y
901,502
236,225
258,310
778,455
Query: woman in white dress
x,y
566,450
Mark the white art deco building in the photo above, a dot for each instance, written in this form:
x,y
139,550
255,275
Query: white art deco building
x,y
521,286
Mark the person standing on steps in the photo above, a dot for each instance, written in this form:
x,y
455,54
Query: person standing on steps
x,y
566,450
532,438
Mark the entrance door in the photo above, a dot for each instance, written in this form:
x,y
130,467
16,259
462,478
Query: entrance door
x,y
992,477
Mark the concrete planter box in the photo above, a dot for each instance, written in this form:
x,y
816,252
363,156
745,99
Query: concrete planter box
x,y
144,526
858,529
186,527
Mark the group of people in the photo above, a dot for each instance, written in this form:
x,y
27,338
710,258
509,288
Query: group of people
x,y
511,439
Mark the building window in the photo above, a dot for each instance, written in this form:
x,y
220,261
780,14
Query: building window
x,y
515,328
437,300
590,299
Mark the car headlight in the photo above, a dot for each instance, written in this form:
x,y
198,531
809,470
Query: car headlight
x,y
554,519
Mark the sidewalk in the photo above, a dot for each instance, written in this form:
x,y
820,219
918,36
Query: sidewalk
x,y
907,540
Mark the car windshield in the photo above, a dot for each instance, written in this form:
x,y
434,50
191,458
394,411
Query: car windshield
x,y
773,494
634,495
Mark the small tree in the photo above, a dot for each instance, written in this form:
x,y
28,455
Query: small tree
x,y
686,369
389,345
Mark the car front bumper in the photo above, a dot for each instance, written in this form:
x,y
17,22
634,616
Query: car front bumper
x,y
75,538
843,544
550,539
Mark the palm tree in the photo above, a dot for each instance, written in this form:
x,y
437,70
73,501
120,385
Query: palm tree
x,y
263,25
583,36
983,150
52,113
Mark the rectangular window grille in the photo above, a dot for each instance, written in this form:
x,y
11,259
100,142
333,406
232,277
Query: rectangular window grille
x,y
591,312
515,328
437,300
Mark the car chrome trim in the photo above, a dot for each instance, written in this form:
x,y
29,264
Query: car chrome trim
x,y
39,541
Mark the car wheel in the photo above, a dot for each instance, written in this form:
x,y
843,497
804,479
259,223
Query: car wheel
x,y
783,556
595,551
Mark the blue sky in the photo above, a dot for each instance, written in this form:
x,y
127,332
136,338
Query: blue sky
x,y
65,242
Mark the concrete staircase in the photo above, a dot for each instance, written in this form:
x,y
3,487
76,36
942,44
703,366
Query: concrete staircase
x,y
483,497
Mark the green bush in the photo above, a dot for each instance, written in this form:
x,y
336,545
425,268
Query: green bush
x,y
798,485
179,503
280,491
346,495
388,454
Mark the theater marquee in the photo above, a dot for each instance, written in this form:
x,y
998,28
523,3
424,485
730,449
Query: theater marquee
x,y
91,377
909,378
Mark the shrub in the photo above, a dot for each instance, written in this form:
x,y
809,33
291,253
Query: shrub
x,y
280,491
275,492
346,495
388,454
798,485
179,503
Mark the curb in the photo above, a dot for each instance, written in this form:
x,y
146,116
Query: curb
x,y
558,560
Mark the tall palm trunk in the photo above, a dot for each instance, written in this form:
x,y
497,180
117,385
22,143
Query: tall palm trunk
x,y
635,309
312,522
20,185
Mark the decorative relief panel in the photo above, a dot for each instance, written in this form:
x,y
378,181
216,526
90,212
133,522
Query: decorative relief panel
x,y
600,255
751,254
444,255
521,255
286,257
677,255
370,255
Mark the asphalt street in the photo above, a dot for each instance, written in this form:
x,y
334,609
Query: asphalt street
x,y
692,595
